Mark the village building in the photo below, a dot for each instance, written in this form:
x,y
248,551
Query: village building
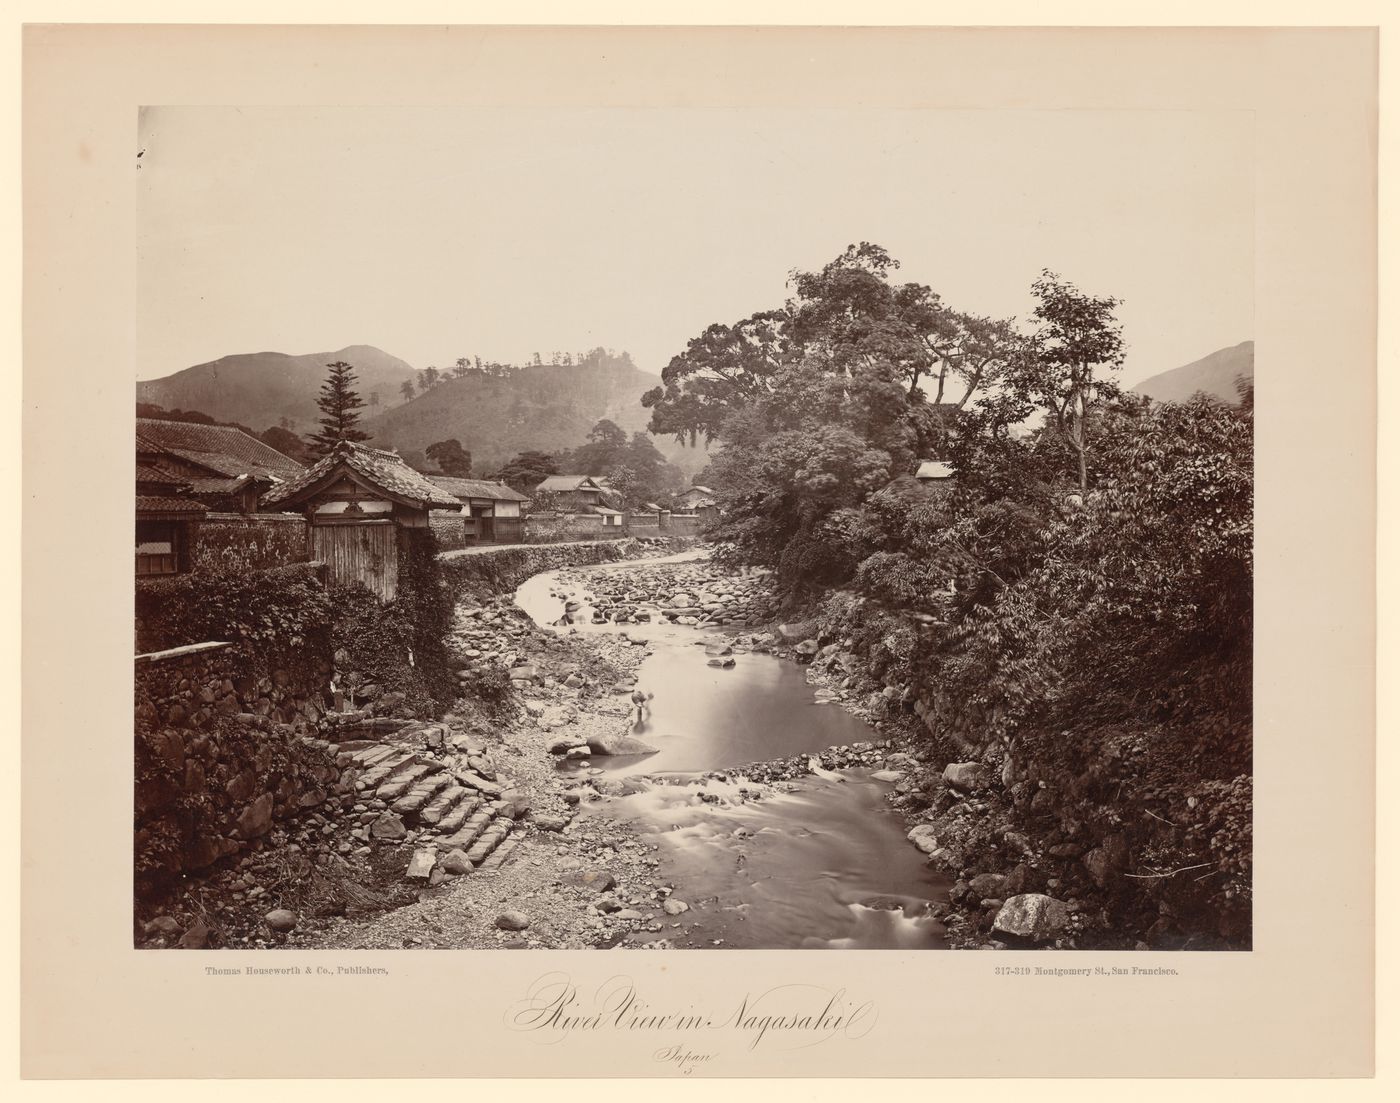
x,y
167,516
362,506
573,493
187,473
491,513
695,498
222,466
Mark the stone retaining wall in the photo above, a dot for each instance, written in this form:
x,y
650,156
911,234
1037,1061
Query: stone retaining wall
x,y
504,568
220,756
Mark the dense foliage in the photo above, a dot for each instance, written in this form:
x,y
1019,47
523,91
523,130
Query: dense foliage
x,y
1086,575
274,617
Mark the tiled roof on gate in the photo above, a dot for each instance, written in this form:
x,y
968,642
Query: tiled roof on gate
x,y
221,448
146,504
385,470
477,488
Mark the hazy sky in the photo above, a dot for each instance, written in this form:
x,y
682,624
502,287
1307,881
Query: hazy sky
x,y
435,233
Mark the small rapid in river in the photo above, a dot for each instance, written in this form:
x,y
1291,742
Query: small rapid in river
x,y
818,862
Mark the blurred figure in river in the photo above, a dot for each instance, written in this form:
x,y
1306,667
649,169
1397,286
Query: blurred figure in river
x,y
641,707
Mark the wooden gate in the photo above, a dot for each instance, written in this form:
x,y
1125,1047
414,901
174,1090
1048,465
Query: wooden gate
x,y
364,551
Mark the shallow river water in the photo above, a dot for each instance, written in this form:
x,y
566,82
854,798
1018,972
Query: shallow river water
x,y
825,865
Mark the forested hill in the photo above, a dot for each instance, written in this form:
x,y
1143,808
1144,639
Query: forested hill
x,y
544,407
1214,374
261,389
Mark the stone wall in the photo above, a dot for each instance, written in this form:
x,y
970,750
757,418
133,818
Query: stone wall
x,y
543,527
235,542
449,528
221,754
496,570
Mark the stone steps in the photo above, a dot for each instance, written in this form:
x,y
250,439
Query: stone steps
x,y
498,829
442,803
470,831
402,781
497,857
386,768
467,805
421,792
373,756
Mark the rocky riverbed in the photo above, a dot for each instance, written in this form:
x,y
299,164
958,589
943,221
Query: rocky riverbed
x,y
466,832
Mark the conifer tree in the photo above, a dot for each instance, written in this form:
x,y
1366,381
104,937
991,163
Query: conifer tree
x,y
340,404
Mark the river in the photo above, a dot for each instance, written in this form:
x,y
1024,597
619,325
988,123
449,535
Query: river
x,y
821,862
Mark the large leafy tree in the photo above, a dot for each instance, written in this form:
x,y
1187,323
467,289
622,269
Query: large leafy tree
x,y
340,404
451,458
1065,368
527,470
606,449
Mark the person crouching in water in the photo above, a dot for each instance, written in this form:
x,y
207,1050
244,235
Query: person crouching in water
x,y
641,707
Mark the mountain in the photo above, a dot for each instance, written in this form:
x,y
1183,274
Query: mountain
x,y
1215,374
542,407
260,388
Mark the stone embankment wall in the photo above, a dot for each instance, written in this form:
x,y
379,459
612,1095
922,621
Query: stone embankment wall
x,y
478,570
221,754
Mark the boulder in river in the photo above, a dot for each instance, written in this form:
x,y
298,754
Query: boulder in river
x,y
923,837
619,745
1032,915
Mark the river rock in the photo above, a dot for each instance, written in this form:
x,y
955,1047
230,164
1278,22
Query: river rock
x,y
675,907
198,937
548,822
987,885
512,921
280,919
923,837
456,862
598,879
388,827
799,631
966,775
724,663
1032,915
619,745
890,776
256,819
420,866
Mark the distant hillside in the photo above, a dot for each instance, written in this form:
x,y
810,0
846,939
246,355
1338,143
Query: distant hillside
x,y
261,388
1215,374
544,407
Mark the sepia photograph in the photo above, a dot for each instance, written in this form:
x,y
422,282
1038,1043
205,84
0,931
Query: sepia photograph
x,y
675,528
604,488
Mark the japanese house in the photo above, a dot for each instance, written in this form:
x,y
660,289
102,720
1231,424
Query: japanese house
x,y
363,506
220,465
492,513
